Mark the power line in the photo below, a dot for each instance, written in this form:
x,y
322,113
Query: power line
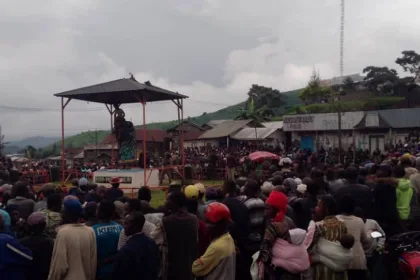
x,y
39,109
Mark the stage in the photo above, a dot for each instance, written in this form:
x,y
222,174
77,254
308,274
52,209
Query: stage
x,y
130,178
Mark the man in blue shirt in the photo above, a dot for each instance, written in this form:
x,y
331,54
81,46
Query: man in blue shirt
x,y
107,234
14,258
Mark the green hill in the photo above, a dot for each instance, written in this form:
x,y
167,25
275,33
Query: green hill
x,y
291,98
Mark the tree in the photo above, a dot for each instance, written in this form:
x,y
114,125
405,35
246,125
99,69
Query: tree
x,y
250,112
348,83
410,62
314,92
54,148
2,144
380,79
265,96
31,151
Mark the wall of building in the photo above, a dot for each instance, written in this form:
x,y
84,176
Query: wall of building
x,y
321,122
362,139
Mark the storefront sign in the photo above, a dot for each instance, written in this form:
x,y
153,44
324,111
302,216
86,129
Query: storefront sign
x,y
321,122
298,122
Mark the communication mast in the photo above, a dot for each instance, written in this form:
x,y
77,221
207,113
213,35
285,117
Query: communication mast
x,y
341,78
342,41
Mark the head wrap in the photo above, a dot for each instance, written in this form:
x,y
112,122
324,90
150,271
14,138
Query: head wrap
x,y
301,188
36,218
267,188
191,192
83,182
211,193
284,161
278,200
73,207
291,184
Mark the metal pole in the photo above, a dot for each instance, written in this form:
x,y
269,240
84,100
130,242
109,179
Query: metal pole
x,y
341,76
62,142
182,139
144,141
111,113
339,129
178,105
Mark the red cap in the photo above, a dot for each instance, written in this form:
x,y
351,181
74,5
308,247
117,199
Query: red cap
x,y
115,180
216,211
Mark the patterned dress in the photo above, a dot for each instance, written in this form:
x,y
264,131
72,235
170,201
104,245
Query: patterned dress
x,y
332,229
274,231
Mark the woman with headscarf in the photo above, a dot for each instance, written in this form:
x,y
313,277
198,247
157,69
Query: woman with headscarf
x,y
326,227
291,188
276,206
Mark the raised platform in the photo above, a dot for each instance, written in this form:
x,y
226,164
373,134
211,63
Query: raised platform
x,y
130,178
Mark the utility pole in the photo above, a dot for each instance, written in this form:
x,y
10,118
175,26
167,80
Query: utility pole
x,y
96,141
1,142
341,78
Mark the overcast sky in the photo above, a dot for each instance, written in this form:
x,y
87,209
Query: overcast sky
x,y
210,50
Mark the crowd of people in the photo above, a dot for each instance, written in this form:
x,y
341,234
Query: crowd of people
x,y
297,224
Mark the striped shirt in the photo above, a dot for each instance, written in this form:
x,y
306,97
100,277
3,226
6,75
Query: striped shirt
x,y
147,230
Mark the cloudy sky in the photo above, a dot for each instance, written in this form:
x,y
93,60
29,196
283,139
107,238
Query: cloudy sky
x,y
210,50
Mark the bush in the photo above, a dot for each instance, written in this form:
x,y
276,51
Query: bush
x,y
375,103
380,103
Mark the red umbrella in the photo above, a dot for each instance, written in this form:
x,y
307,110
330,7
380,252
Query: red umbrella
x,y
260,156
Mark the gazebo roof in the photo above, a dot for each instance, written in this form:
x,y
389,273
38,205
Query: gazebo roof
x,y
121,91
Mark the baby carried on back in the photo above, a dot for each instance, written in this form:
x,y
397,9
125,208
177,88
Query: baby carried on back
x,y
335,255
292,257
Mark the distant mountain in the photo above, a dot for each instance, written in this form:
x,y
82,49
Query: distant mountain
x,y
11,149
37,142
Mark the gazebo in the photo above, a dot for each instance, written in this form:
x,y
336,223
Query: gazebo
x,y
123,91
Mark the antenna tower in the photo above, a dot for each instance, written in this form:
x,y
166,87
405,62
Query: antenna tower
x,y
342,41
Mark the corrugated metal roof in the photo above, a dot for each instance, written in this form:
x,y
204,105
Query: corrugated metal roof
x,y
401,118
80,155
372,120
152,135
248,133
276,125
214,123
121,91
177,127
225,129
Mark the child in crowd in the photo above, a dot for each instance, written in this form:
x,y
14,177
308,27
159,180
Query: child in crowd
x,y
336,256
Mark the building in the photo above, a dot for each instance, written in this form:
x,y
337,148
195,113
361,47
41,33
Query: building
x,y
335,81
268,136
101,152
222,134
365,130
191,133
271,134
157,142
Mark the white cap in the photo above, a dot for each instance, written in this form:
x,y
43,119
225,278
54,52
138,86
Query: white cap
x,y
285,160
301,188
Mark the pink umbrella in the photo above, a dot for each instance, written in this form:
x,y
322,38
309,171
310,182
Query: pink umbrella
x,y
260,156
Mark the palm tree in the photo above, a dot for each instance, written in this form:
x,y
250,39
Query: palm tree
x,y
250,112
